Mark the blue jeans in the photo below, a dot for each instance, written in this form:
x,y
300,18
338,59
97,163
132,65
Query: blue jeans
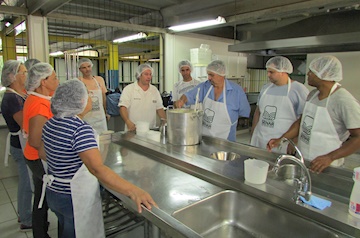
x,y
61,205
24,195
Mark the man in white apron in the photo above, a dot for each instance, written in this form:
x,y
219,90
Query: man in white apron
x,y
330,115
72,192
280,104
97,91
187,83
222,100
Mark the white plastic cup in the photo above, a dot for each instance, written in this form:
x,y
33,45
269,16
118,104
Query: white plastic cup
x,y
255,171
142,127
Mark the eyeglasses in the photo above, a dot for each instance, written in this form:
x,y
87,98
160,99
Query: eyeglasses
x,y
23,73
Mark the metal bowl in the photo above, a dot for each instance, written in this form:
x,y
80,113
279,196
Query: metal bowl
x,y
224,156
289,171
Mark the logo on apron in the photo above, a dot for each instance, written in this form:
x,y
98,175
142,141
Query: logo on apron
x,y
269,116
306,129
208,117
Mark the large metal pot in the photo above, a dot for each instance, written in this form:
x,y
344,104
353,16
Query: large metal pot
x,y
184,126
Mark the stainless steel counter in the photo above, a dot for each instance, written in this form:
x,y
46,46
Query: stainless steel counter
x,y
177,176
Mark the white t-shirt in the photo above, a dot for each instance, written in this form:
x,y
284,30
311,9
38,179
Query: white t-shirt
x,y
182,87
297,95
344,111
141,105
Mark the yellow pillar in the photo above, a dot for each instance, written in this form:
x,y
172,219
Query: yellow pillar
x,y
9,47
113,66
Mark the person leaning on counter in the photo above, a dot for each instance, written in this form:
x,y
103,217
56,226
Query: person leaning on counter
x,y
141,101
280,103
329,128
223,102
75,165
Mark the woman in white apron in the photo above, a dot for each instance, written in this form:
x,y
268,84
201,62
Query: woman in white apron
x,y
13,78
75,165
97,116
40,84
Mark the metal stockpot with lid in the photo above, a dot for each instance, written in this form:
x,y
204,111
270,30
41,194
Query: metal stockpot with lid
x,y
184,126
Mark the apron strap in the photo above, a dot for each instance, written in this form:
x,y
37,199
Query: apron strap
x,y
7,146
47,180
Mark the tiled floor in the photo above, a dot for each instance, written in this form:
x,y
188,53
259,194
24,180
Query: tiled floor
x,y
9,227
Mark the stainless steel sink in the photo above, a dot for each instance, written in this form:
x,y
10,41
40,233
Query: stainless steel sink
x,y
224,156
234,214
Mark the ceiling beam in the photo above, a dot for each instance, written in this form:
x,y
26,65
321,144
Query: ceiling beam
x,y
100,22
45,6
17,11
296,9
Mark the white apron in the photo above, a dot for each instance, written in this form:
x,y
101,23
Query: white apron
x,y
317,135
96,117
277,114
216,119
20,134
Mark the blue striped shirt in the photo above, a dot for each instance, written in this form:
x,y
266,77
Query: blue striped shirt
x,y
64,139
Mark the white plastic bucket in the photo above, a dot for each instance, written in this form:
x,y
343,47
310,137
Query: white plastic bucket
x,y
255,171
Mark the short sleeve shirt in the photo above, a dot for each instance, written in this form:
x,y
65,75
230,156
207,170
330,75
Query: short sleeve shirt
x,y
34,106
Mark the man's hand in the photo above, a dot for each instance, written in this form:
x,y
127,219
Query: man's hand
x,y
320,163
273,143
130,125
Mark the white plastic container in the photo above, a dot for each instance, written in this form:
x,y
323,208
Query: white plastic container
x,y
255,171
200,56
354,205
142,127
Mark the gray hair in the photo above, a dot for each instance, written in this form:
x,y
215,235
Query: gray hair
x,y
141,68
84,60
30,62
70,99
36,73
217,67
9,71
280,64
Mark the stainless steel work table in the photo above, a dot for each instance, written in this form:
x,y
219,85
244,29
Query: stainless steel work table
x,y
177,176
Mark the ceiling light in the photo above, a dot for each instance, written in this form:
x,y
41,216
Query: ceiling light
x,y
130,38
7,24
57,53
20,28
195,25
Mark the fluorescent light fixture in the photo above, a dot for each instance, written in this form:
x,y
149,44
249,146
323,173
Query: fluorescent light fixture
x,y
82,48
57,53
195,25
20,28
7,24
130,38
131,57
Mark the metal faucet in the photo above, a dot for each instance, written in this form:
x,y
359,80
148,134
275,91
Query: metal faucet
x,y
303,185
284,139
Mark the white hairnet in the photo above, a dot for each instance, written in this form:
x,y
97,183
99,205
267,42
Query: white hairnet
x,y
185,63
70,99
141,68
30,62
280,64
327,68
217,67
9,71
84,60
36,73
